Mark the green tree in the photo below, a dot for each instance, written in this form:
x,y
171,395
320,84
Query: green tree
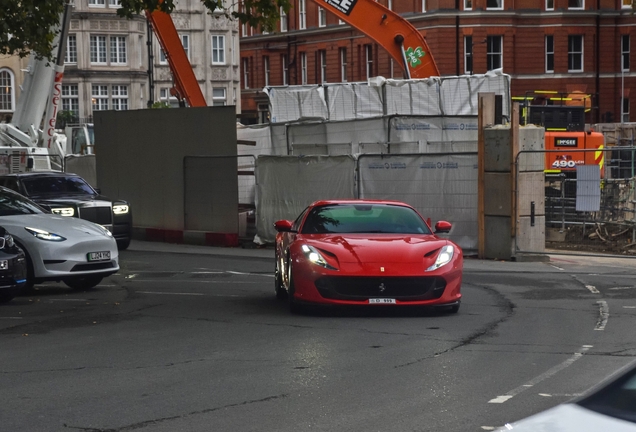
x,y
26,25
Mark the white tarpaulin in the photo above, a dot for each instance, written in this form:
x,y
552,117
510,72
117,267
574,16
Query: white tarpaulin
x,y
413,97
285,185
459,95
439,186
296,102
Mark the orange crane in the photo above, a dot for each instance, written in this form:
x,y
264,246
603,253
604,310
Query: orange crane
x,y
186,86
402,41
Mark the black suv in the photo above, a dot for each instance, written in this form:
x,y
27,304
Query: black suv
x,y
70,195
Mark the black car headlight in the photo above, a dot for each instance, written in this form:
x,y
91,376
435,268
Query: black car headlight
x,y
315,257
63,211
44,235
444,256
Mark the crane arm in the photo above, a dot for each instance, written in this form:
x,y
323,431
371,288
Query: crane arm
x,y
396,35
185,81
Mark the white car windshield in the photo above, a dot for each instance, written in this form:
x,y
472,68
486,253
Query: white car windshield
x,y
49,185
12,204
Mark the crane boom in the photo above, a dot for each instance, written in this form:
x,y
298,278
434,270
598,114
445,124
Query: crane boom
x,y
396,35
185,81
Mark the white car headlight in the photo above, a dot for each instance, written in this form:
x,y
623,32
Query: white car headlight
x,y
63,211
315,257
444,256
120,209
44,235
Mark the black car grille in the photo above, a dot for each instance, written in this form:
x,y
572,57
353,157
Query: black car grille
x,y
95,266
99,215
362,287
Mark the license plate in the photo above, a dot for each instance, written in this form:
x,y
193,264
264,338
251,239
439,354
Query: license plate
x,y
381,301
99,256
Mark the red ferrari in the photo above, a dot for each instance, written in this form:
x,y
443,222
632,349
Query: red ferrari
x,y
362,252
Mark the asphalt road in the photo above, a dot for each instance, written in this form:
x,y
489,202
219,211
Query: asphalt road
x,y
196,341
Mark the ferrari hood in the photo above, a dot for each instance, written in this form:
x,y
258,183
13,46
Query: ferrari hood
x,y
385,248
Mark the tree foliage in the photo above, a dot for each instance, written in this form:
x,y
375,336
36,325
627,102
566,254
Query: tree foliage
x,y
31,25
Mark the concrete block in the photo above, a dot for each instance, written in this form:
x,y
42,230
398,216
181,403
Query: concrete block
x,y
530,188
498,241
497,149
531,138
531,238
497,196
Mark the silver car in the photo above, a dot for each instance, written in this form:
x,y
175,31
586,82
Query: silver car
x,y
74,251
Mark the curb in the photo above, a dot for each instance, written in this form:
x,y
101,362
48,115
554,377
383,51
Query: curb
x,y
199,238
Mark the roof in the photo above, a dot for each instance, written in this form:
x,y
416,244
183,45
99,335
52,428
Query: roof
x,y
40,174
358,201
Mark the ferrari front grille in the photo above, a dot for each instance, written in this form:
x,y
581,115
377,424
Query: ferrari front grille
x,y
362,287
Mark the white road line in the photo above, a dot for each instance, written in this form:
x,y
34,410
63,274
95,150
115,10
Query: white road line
x,y
592,289
558,268
489,428
560,394
250,274
603,315
629,307
622,288
543,376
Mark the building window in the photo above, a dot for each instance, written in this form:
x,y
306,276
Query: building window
x,y
97,3
246,73
341,22
576,4
218,50
266,69
70,99
119,97
284,69
303,68
423,5
98,49
627,4
302,15
114,3
218,96
575,53
494,52
283,21
7,91
343,64
494,4
549,53
625,113
549,5
322,58
185,41
468,4
99,96
468,55
322,17
368,60
166,97
625,53
70,56
244,29
118,50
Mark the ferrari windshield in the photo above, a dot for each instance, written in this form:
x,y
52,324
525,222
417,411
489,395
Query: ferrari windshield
x,y
12,204
58,185
364,218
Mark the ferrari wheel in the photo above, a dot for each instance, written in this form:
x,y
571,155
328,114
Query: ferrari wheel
x,y
278,284
83,283
294,307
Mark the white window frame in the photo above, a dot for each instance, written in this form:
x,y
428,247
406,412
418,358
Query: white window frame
x,y
625,54
389,4
549,52
70,56
244,29
322,57
549,5
580,6
10,84
500,5
99,48
302,14
624,110
491,53
266,71
165,96
99,96
284,22
303,68
119,97
219,100
423,6
368,60
341,22
469,55
626,4
246,72
343,64
114,3
218,49
70,98
97,3
322,17
285,69
118,50
468,5
572,54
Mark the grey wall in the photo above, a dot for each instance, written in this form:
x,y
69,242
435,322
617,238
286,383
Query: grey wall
x,y
140,159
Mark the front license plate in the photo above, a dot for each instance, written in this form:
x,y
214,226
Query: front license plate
x,y
381,301
99,256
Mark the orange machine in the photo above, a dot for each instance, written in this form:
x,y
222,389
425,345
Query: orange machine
x,y
186,86
396,35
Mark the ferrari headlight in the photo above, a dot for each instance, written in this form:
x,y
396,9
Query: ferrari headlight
x,y
120,209
315,257
63,211
44,235
444,256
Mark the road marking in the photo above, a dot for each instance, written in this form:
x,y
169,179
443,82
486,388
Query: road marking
x,y
603,315
169,293
488,427
622,288
561,394
250,274
514,392
558,268
592,289
629,307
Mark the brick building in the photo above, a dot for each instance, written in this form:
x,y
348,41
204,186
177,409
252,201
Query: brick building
x,y
559,45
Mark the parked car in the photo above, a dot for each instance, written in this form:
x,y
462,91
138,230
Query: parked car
x,y
57,248
375,253
611,406
13,267
70,195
